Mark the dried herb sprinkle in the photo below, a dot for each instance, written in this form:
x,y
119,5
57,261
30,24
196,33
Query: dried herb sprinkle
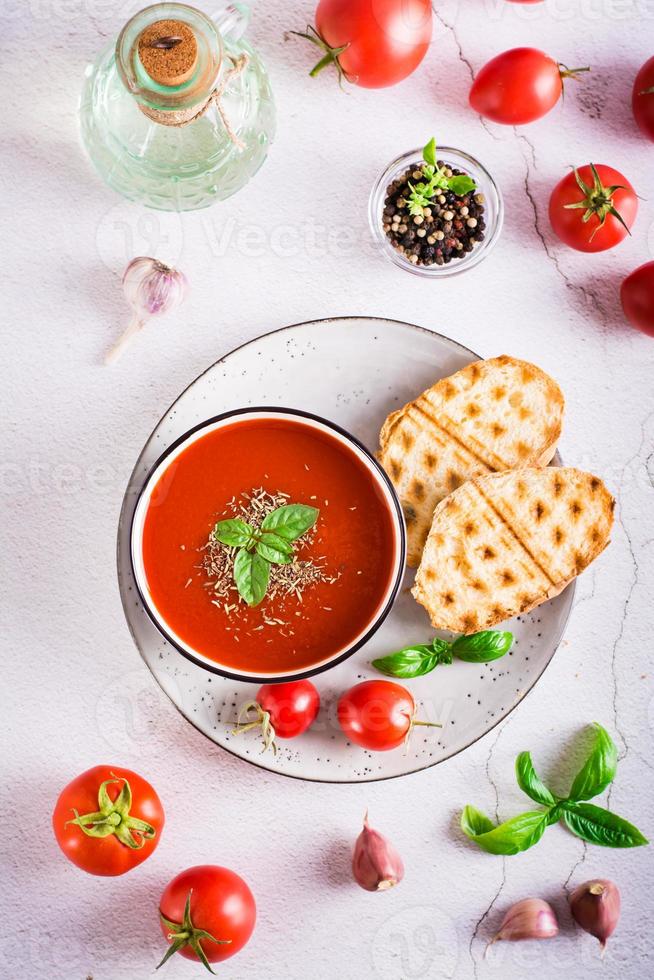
x,y
288,582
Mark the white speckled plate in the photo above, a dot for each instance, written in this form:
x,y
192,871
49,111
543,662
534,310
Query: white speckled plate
x,y
353,370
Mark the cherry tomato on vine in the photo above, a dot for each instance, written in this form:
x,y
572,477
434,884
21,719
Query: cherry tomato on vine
x,y
519,86
207,913
372,43
593,208
281,711
637,296
642,99
108,820
378,715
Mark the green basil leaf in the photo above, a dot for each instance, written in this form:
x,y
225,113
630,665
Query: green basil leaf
x,y
481,648
291,521
461,184
474,822
429,152
598,826
511,837
443,649
274,548
410,662
251,574
529,781
234,533
599,768
555,813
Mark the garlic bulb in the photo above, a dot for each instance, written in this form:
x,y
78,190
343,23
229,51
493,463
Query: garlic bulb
x,y
376,865
595,906
532,918
151,288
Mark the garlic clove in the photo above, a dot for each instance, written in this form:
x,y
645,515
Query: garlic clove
x,y
532,918
595,906
376,865
151,289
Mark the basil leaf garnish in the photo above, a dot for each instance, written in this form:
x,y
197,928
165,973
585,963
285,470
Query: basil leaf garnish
x,y
420,658
234,533
599,768
274,548
259,547
474,822
511,837
461,184
592,823
555,813
429,152
481,648
410,662
291,521
251,574
598,826
529,781
415,660
443,649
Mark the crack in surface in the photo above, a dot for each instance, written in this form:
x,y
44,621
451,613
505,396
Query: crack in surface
x,y
589,595
574,868
464,61
452,29
589,296
532,148
616,643
482,918
625,609
649,469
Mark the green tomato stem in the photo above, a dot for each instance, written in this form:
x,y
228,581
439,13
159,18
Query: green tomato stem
x,y
565,72
330,57
185,933
113,818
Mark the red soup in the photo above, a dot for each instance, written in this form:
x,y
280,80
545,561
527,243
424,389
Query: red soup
x,y
331,585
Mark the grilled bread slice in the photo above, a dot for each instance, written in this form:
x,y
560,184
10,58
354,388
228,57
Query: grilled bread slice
x,y
493,415
504,543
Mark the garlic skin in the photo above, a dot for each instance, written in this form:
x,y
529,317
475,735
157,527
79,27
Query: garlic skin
x,y
595,906
376,865
151,288
532,918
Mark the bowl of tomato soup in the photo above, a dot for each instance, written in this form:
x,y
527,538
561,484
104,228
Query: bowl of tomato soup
x,y
267,544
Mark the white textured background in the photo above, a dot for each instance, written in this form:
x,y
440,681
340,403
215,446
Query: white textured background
x,y
75,691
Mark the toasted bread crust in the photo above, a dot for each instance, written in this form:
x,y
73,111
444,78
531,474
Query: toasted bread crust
x,y
493,415
504,543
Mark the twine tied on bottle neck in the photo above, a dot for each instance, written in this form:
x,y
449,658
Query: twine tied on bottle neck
x,y
182,117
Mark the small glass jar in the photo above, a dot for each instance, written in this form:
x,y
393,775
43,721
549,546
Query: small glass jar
x,y
493,211
167,142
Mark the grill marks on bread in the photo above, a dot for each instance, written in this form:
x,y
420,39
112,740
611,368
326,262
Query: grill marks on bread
x,y
488,558
489,417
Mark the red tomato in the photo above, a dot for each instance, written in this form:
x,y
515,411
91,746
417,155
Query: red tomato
x,y
281,711
292,707
207,913
108,820
637,296
377,715
593,208
642,99
519,86
373,43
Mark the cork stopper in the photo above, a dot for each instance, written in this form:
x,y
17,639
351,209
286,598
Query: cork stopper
x,y
168,51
